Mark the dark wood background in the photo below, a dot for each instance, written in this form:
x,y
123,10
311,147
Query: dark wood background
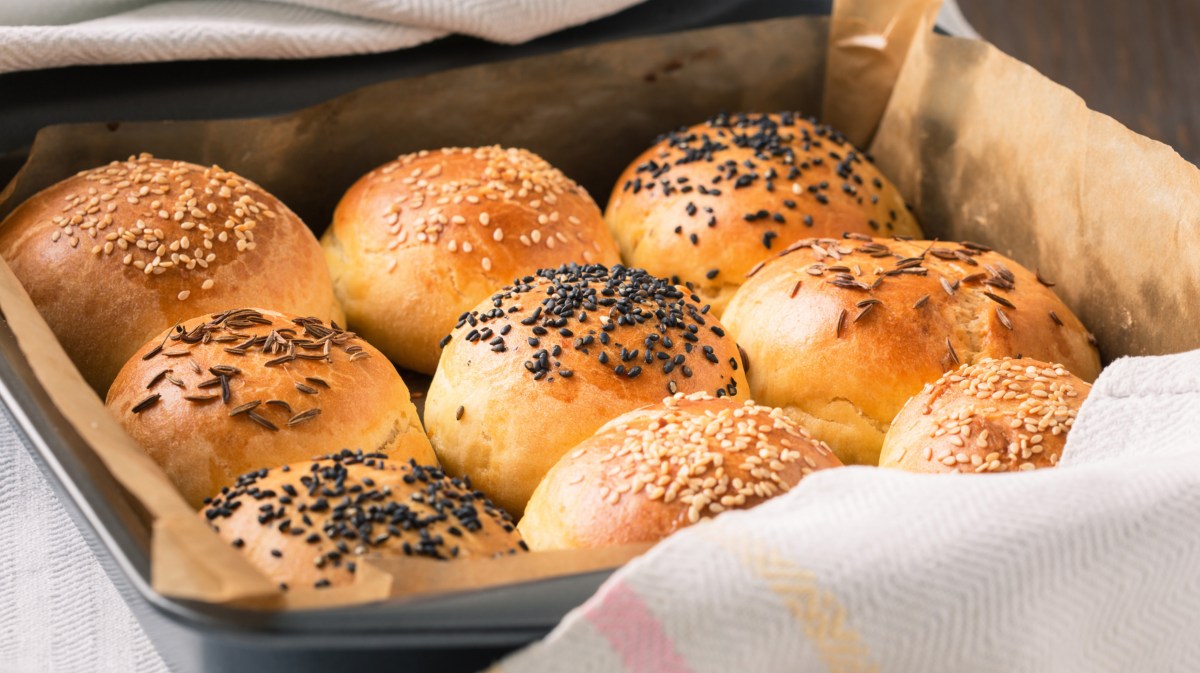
x,y
1136,60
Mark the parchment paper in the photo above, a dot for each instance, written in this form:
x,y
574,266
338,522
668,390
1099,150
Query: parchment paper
x,y
987,149
869,41
588,111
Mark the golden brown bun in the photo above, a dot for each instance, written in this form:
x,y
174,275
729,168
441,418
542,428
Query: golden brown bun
x,y
420,240
515,390
993,416
843,366
655,470
111,256
173,399
803,180
292,522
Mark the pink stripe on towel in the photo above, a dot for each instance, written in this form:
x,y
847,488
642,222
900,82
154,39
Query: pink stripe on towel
x,y
634,633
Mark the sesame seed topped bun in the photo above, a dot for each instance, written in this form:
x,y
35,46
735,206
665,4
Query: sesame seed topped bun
x,y
997,415
841,332
541,365
307,524
707,203
421,239
114,255
220,395
652,471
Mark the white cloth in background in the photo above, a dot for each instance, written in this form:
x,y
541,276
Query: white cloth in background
x,y
58,610
1093,566
75,32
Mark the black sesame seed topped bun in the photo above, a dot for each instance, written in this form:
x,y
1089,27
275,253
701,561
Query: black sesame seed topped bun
x,y
841,332
537,368
221,394
306,524
114,255
707,203
421,239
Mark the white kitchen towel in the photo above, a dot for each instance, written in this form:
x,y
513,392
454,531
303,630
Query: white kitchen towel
x,y
58,610
1093,566
51,33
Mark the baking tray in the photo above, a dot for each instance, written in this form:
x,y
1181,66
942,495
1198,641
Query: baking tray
x,y
457,632
255,88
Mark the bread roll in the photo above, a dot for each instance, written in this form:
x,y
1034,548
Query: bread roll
x,y
418,241
998,415
116,254
306,524
652,471
541,365
707,203
219,396
840,333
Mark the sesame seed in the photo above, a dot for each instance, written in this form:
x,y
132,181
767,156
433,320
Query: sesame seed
x,y
706,459
590,305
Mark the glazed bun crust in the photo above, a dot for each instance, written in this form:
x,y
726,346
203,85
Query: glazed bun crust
x,y
292,523
840,333
691,208
116,254
170,397
652,471
420,240
538,368
993,416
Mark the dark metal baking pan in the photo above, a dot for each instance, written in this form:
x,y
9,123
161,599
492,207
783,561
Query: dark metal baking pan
x,y
458,632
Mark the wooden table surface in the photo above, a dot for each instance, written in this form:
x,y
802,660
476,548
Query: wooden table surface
x,y
1136,60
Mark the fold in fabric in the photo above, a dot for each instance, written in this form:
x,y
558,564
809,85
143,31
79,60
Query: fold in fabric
x,y
76,32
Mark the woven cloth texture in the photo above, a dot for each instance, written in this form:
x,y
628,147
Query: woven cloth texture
x,y
53,33
1093,566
